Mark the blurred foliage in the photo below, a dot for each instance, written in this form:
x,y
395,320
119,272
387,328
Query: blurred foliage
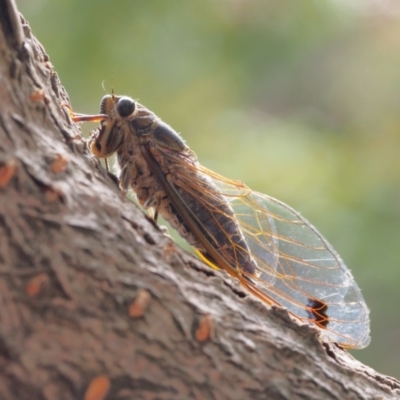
x,y
299,99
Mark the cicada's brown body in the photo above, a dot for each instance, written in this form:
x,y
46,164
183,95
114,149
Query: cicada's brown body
x,y
134,133
273,251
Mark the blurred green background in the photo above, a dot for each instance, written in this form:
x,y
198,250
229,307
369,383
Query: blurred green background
x,y
299,99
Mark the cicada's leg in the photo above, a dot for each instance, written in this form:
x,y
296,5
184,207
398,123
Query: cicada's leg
x,y
85,117
206,258
153,202
128,177
156,209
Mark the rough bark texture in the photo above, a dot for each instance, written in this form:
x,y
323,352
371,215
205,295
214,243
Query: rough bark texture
x,y
96,303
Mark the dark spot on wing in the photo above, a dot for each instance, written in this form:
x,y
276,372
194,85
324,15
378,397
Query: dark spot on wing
x,y
317,312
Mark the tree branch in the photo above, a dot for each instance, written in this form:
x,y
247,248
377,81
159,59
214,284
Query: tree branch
x,y
96,303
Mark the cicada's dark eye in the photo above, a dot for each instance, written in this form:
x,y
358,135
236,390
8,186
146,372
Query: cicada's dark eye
x,y
125,107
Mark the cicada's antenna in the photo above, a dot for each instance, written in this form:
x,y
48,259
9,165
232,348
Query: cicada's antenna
x,y
112,85
113,97
103,86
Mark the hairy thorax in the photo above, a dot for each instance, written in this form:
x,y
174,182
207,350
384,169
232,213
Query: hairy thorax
x,y
135,174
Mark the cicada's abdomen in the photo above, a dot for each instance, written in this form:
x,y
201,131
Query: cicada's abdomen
x,y
208,208
214,216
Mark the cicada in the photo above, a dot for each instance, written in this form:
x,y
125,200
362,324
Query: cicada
x,y
275,253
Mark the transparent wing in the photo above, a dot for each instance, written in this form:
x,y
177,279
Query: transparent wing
x,y
296,267
299,269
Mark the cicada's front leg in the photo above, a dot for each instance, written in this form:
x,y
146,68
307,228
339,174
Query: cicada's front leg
x,y
105,140
128,176
150,197
84,117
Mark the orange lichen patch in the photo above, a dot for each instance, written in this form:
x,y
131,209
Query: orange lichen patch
x,y
36,284
98,388
59,163
204,328
37,95
7,171
139,305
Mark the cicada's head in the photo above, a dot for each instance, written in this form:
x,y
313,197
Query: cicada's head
x,y
106,139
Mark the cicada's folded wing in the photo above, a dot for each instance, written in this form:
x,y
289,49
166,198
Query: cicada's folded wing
x,y
296,267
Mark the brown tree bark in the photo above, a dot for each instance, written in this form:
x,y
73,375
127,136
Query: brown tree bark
x,y
96,303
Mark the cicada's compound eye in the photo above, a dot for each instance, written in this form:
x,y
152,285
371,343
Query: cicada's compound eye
x,y
125,107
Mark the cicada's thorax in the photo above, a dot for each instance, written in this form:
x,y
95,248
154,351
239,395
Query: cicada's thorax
x,y
142,131
147,129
